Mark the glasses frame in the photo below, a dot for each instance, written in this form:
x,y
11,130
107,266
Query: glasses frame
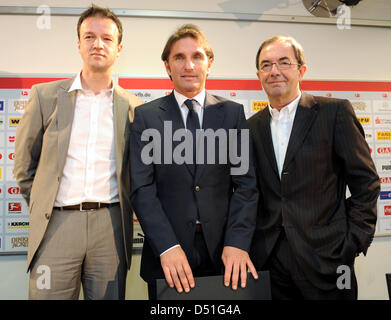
x,y
278,65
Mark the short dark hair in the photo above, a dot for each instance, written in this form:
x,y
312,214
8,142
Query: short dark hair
x,y
296,46
187,30
96,11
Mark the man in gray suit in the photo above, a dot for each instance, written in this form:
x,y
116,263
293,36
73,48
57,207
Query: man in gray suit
x,y
307,150
70,147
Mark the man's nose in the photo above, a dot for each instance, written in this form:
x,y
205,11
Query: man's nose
x,y
98,43
189,64
275,69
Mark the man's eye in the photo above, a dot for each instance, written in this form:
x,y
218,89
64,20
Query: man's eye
x,y
178,58
285,63
266,65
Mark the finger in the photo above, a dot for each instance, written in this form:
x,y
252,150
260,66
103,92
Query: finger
x,y
235,276
183,279
252,269
175,278
243,274
168,277
189,274
227,274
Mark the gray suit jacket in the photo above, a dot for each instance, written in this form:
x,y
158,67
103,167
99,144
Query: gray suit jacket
x,y
42,141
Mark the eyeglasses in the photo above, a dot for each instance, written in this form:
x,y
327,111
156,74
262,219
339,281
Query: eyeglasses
x,y
281,65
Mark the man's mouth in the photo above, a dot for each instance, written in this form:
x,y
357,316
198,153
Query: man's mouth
x,y
96,54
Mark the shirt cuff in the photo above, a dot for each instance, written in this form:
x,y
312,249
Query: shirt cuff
x,y
177,245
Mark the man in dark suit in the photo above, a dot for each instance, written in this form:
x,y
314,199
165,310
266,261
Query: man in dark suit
x,y
308,150
195,215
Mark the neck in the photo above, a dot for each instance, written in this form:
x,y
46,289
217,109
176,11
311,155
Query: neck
x,y
280,102
187,94
96,81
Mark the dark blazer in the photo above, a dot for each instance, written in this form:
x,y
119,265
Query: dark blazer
x,y
166,197
326,153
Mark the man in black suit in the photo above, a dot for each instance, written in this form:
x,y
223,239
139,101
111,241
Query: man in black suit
x,y
308,149
196,215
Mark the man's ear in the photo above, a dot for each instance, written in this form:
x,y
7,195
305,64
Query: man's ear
x,y
167,66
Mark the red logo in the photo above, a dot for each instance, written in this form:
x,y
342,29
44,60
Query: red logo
x,y
14,190
1,156
25,93
11,156
384,150
11,138
385,180
357,95
233,94
387,210
385,95
15,206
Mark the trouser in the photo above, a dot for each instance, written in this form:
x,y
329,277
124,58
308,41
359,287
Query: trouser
x,y
289,282
80,247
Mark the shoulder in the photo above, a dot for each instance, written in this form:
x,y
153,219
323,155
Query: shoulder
x,y
151,106
53,86
132,99
214,99
324,101
255,117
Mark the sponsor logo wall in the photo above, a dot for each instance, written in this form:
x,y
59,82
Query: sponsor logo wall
x,y
14,215
371,102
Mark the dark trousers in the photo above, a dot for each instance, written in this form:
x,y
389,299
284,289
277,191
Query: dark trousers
x,y
200,263
288,281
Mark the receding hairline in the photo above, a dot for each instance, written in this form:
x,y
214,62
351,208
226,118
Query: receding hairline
x,y
294,44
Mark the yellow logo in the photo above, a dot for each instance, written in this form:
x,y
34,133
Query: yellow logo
x,y
14,121
259,105
383,135
364,120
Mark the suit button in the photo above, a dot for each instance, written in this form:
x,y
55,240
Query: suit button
x,y
197,188
47,216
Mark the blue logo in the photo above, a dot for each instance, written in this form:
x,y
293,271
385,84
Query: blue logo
x,y
1,105
385,195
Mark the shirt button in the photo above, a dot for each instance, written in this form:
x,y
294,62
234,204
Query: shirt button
x,y
47,216
197,188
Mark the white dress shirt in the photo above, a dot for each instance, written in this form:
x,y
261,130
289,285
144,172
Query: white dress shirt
x,y
198,107
89,173
281,123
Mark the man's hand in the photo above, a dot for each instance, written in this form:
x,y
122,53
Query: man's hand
x,y
236,262
177,270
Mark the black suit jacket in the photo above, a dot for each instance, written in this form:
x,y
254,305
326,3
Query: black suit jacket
x,y
166,197
326,152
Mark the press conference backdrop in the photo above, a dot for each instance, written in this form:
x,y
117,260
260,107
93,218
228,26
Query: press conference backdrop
x,y
371,101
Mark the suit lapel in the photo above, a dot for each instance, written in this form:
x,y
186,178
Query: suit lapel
x,y
120,115
266,138
65,112
305,115
213,118
170,112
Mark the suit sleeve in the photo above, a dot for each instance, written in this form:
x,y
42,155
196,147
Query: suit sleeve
x,y
243,204
28,145
360,175
146,204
